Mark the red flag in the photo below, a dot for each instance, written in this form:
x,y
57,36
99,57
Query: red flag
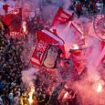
x,y
16,21
62,17
44,48
7,19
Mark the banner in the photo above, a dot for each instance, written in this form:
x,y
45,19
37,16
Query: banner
x,y
62,17
67,29
14,21
47,49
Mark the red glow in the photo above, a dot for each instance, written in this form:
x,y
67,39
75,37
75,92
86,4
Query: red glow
x,y
15,12
66,95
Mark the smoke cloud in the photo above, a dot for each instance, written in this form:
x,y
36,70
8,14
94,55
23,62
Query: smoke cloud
x,y
28,76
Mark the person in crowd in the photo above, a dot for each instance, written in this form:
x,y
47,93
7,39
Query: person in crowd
x,y
78,7
103,3
1,100
11,97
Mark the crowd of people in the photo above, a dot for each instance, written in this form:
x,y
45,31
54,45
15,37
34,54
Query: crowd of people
x,y
13,52
11,66
48,86
10,69
82,7
12,90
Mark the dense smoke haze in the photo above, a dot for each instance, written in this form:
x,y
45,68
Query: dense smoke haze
x,y
91,87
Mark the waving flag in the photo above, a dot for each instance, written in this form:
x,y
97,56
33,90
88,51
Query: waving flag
x,y
62,17
45,52
66,28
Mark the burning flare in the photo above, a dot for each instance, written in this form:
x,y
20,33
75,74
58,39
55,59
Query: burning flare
x,y
65,95
31,95
99,86
75,47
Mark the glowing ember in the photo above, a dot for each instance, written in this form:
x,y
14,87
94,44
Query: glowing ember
x,y
75,47
31,95
65,95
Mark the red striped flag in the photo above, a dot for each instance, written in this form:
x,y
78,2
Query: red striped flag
x,y
45,52
62,17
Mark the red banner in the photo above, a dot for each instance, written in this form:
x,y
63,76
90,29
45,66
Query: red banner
x,y
62,17
45,46
13,20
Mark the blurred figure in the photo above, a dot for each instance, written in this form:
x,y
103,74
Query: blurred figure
x,y
1,101
11,98
5,7
78,7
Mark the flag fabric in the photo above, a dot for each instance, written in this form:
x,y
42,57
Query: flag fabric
x,y
16,21
46,41
62,17
13,20
7,19
66,28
